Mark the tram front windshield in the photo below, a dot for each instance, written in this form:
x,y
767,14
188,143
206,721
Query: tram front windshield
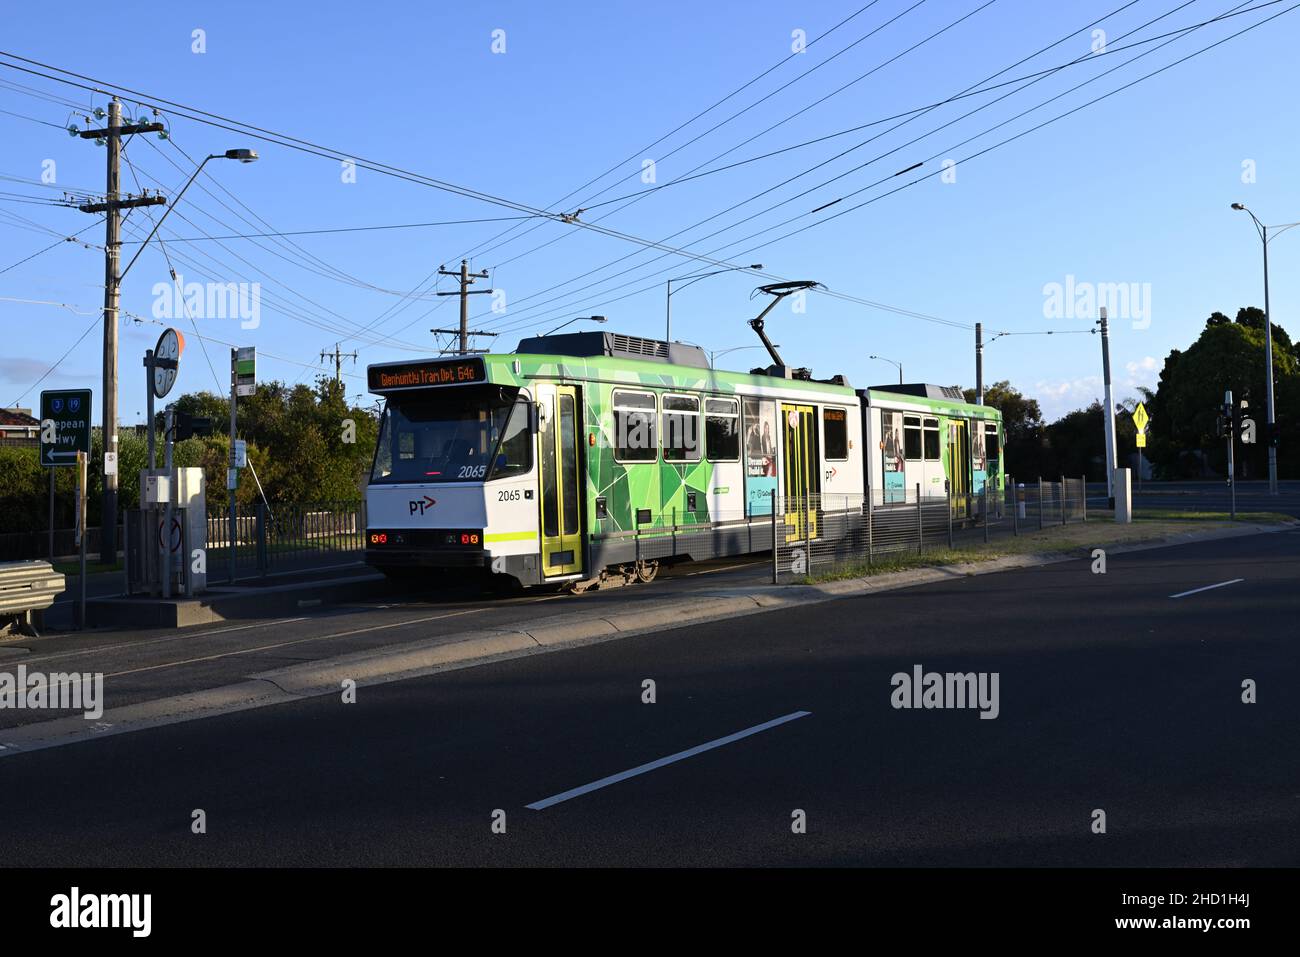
x,y
452,435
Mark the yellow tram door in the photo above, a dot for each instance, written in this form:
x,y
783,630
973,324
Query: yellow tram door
x,y
959,466
800,470
559,428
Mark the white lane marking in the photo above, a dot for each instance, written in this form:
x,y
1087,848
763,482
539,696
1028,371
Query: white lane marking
x,y
1184,594
661,762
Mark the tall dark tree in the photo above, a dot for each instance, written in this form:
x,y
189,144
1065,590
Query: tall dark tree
x,y
1022,423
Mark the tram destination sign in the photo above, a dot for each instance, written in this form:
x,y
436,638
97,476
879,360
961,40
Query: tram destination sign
x,y
421,375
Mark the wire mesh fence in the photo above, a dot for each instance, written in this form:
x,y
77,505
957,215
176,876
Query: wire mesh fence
x,y
818,534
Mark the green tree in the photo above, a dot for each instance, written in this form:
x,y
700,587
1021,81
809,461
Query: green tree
x,y
1185,408
1022,424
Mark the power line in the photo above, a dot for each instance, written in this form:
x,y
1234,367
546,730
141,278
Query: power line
x,y
742,253
1111,49
301,257
24,116
790,179
93,322
646,194
221,122
58,242
803,173
327,325
351,229
681,126
270,136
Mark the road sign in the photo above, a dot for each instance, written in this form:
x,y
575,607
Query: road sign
x,y
246,370
65,426
241,454
1142,440
1140,417
166,361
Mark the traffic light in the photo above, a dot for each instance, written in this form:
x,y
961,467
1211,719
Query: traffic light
x,y
187,425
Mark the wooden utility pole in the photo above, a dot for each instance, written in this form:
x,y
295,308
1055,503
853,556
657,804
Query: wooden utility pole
x,y
111,207
338,360
466,279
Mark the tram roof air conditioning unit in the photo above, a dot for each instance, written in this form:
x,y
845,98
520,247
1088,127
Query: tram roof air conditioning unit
x,y
614,345
924,390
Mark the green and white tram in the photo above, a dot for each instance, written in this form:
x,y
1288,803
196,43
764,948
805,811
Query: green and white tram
x,y
593,457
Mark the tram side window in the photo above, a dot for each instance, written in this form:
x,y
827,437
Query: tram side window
x,y
722,430
991,441
912,437
634,427
932,440
515,455
681,428
835,423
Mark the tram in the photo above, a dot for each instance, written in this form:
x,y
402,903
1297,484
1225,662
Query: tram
x,y
594,457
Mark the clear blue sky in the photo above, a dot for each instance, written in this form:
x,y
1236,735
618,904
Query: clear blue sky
x,y
1135,189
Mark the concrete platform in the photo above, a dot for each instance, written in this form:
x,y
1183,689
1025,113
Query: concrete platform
x,y
225,602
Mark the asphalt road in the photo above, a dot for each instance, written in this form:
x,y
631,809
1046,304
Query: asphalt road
x,y
1112,695
143,664
1207,496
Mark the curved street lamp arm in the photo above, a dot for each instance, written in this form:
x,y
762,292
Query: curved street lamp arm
x,y
170,207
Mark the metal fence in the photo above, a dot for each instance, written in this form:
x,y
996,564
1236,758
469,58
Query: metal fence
x,y
61,545
284,537
818,534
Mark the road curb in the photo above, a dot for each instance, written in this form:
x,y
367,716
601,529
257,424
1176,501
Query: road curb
x,y
210,702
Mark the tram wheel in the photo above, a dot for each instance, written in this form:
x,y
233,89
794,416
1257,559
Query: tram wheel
x,y
646,571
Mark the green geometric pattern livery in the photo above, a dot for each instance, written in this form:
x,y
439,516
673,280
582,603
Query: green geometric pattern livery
x,y
661,487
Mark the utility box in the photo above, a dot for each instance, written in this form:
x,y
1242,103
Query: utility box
x,y
155,488
191,501
1123,496
181,546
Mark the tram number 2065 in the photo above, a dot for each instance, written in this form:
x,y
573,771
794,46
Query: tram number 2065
x,y
509,495
472,471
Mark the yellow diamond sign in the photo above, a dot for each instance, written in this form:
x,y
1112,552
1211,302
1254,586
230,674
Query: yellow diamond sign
x,y
1140,417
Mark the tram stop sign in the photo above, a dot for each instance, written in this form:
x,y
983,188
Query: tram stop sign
x,y
65,426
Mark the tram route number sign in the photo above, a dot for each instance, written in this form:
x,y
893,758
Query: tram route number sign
x,y
65,426
245,370
418,375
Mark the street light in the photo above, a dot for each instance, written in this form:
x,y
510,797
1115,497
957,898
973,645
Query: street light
x,y
892,362
573,320
1268,344
668,300
243,155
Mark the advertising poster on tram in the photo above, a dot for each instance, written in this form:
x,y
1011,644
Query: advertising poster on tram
x,y
760,455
